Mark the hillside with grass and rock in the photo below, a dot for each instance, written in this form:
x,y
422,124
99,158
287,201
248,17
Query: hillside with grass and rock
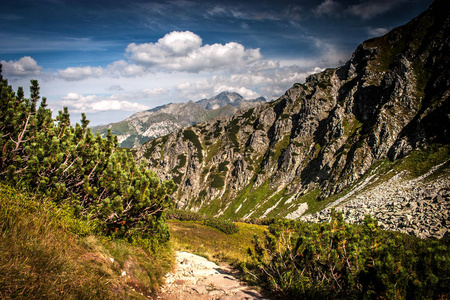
x,y
379,125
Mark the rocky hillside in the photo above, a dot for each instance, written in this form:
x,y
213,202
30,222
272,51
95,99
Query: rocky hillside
x,y
147,125
344,131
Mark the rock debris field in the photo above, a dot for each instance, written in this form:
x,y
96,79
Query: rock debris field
x,y
195,277
418,207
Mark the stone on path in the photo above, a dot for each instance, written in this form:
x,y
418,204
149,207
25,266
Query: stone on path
x,y
195,277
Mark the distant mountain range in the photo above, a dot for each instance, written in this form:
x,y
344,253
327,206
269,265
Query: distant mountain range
x,y
162,120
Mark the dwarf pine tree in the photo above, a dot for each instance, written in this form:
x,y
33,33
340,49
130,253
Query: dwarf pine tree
x,y
336,260
69,164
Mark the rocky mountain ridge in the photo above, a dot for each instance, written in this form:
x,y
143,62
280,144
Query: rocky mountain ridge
x,y
162,120
386,110
229,98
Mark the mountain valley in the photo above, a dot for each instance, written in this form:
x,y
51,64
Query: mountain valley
x,y
342,133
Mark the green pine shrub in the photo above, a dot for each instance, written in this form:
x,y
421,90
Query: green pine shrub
x,y
71,166
338,260
225,226
184,215
46,252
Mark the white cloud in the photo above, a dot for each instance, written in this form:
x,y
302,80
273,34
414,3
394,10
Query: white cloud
x,y
125,101
270,84
183,51
180,43
374,32
94,103
264,65
116,69
372,8
23,67
80,73
329,8
121,68
154,92
104,105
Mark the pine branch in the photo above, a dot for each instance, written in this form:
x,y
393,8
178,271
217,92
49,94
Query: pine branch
x,y
20,137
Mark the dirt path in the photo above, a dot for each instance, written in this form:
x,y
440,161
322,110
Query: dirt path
x,y
195,277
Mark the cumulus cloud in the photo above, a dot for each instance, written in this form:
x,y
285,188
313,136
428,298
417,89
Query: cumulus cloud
x,y
94,103
372,8
23,67
80,73
183,51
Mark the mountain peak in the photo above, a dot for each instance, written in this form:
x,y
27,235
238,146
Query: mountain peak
x,y
231,98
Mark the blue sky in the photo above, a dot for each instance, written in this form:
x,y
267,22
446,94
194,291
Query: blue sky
x,y
113,58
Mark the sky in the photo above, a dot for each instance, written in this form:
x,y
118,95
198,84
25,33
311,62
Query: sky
x,y
110,59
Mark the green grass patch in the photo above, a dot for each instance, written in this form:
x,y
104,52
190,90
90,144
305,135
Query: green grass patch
x,y
248,113
310,198
246,201
422,160
181,164
212,243
233,129
150,149
190,135
280,146
223,166
217,181
120,128
212,151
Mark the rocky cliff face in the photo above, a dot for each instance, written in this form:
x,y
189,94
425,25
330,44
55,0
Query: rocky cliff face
x,y
323,137
147,125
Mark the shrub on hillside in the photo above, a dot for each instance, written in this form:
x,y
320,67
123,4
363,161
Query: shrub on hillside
x,y
338,260
260,221
68,164
46,252
184,215
225,226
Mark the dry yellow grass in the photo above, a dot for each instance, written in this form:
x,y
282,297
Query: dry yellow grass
x,y
47,253
213,244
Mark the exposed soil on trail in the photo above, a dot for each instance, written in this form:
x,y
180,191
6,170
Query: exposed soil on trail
x,y
195,277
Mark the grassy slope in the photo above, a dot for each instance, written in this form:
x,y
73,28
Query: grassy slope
x,y
45,252
213,244
263,200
